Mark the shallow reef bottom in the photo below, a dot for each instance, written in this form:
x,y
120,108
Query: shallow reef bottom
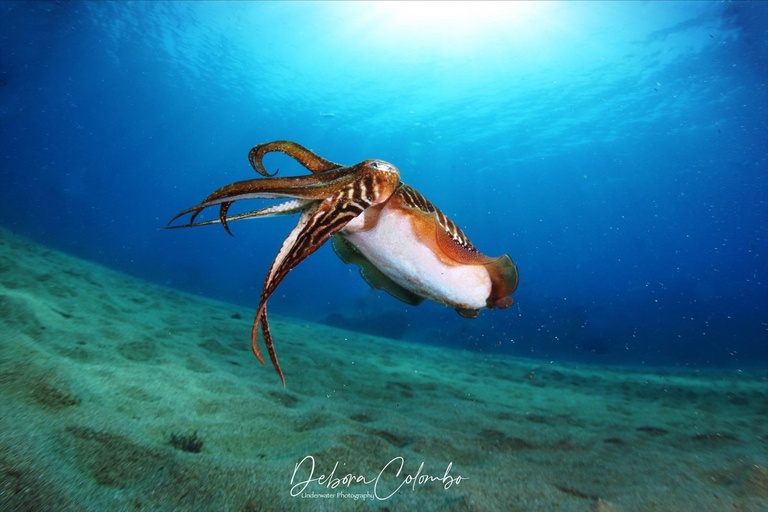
x,y
119,394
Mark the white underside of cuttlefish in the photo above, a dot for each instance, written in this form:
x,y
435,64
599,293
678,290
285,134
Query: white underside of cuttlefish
x,y
397,248
402,243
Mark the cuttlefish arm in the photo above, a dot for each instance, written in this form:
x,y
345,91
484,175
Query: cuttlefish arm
x,y
284,187
327,201
305,157
285,208
308,187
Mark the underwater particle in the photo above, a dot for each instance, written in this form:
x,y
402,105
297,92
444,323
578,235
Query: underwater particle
x,y
187,443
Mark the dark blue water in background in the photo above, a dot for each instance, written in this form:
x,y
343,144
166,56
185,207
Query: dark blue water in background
x,y
617,151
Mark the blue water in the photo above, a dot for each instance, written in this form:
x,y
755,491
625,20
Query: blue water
x,y
617,151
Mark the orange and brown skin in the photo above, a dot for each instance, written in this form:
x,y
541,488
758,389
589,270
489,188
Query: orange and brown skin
x,y
328,199
451,241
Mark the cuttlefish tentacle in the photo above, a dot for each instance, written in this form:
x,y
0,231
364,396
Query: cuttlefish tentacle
x,y
270,345
327,201
305,157
317,225
311,186
223,209
285,248
285,208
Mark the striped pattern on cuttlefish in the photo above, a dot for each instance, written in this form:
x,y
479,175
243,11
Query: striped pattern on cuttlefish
x,y
402,243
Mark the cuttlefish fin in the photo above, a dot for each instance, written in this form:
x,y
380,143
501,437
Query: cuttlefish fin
x,y
504,279
501,270
430,221
318,222
372,275
468,313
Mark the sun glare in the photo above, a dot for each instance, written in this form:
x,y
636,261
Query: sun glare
x,y
456,17
451,28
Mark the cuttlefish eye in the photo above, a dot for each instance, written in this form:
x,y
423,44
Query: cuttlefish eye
x,y
380,165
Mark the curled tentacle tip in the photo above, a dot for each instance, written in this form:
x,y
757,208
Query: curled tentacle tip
x,y
176,217
255,160
194,215
223,216
264,172
256,352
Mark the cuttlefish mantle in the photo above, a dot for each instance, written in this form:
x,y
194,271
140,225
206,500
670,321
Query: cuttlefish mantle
x,y
402,243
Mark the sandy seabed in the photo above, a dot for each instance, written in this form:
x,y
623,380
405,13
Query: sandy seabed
x,y
98,371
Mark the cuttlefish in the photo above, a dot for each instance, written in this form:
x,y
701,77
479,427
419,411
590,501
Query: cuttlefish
x,y
402,243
